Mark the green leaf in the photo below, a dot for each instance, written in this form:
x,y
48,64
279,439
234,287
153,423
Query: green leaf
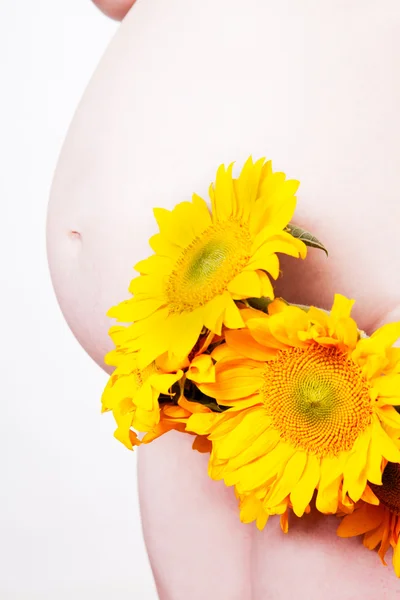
x,y
305,236
193,394
260,303
209,403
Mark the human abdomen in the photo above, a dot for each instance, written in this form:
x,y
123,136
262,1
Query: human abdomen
x,y
182,88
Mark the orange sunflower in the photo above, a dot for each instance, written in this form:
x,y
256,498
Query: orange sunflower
x,y
311,408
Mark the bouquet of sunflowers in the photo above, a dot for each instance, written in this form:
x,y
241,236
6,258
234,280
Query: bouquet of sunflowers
x,y
295,404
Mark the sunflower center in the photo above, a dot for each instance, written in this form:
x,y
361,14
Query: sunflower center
x,y
208,265
388,493
317,399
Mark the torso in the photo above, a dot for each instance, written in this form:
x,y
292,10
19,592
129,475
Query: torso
x,y
181,89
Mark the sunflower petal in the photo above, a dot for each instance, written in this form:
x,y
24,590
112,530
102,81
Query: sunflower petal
x,y
301,495
288,480
360,521
245,285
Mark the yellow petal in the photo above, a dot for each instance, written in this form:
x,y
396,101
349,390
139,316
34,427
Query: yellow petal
x,y
261,331
288,480
277,184
354,472
232,317
328,498
233,382
346,331
284,521
174,228
151,347
260,471
247,185
372,538
163,382
387,386
366,518
194,215
250,507
389,416
369,496
267,291
226,422
243,435
282,242
185,329
202,444
163,247
138,309
385,544
244,343
203,216
303,491
393,358
342,307
147,286
201,423
144,397
192,407
223,199
387,447
245,285
213,312
262,445
331,472
127,437
202,369
257,221
262,520
224,352
374,462
386,336
396,559
155,264
280,208
264,261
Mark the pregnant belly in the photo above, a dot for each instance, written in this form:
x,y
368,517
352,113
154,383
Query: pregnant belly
x,y
178,92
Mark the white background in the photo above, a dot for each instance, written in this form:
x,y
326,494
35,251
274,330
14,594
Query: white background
x,y
69,518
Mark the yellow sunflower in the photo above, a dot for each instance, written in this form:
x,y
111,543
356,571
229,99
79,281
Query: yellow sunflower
x,y
132,394
311,407
206,259
379,519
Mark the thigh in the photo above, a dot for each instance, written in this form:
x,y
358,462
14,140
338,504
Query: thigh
x,y
197,546
312,562
199,549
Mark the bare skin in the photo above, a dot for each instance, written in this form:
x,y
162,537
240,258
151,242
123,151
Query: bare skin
x,y
116,9
177,93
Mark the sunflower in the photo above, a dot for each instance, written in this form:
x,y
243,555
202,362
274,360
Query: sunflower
x,y
132,394
206,259
311,407
379,518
